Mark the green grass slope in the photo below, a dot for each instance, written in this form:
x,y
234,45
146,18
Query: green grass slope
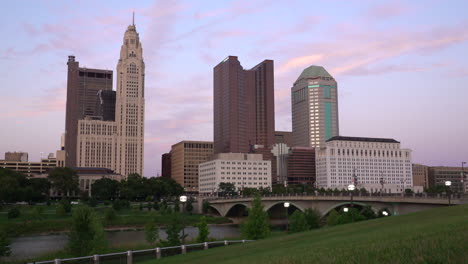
x,y
433,236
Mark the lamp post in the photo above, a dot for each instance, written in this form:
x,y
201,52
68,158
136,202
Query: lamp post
x,y
183,199
448,183
463,177
351,188
345,209
286,206
385,213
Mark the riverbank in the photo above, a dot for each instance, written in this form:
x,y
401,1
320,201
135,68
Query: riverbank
x,y
433,236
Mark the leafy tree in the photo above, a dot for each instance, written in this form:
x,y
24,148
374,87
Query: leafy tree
x,y
13,213
205,206
203,230
298,222
313,218
64,180
4,244
151,232
349,217
176,206
105,189
86,234
247,191
173,230
227,189
110,215
12,186
256,226
189,205
333,218
65,203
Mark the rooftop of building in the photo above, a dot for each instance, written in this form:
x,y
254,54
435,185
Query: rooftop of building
x,y
237,156
313,72
363,139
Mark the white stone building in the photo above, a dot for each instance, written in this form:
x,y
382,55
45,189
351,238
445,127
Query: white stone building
x,y
242,170
119,145
376,164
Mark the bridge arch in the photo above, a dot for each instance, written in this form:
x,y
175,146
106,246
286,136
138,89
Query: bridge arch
x,y
237,210
324,213
212,210
268,207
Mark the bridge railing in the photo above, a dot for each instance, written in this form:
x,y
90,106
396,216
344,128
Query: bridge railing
x,y
135,256
343,194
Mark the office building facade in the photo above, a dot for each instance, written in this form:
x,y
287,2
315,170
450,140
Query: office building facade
x,y
83,85
243,106
105,105
301,166
314,102
438,175
242,170
421,175
166,165
16,156
185,158
376,164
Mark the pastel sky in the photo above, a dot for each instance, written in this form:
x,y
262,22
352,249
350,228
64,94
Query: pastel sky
x,y
401,66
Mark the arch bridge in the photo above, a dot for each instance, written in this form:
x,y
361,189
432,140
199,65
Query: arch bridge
x,y
394,204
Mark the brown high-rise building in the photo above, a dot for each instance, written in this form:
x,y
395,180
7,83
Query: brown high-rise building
x,y
283,137
83,85
243,106
301,165
166,165
420,175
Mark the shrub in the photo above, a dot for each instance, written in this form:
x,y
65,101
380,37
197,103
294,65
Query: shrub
x,y
189,205
66,205
120,204
86,234
60,210
205,206
14,213
333,218
92,202
173,230
298,222
313,218
110,215
176,206
203,230
151,232
4,244
256,226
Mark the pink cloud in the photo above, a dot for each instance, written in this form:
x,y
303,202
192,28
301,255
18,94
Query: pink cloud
x,y
387,10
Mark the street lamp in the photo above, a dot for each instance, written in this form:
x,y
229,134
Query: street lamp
x,y
345,209
385,213
286,206
183,199
448,183
463,177
351,188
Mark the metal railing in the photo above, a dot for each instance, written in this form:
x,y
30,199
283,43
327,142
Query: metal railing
x,y
135,256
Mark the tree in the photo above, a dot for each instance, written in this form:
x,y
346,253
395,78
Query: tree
x,y
298,222
368,213
13,213
86,234
333,218
173,230
203,230
105,189
189,205
227,189
176,206
256,226
4,244
313,218
64,180
205,206
151,232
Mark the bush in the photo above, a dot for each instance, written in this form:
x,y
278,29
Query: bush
x,y
86,234
203,230
110,215
4,244
313,218
151,232
205,206
92,202
60,210
333,218
189,205
120,204
66,205
14,213
173,230
298,222
256,226
176,206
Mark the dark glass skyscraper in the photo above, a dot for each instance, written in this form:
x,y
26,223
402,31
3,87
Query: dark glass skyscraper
x,y
243,106
105,105
82,87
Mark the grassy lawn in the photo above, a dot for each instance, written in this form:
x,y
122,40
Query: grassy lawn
x,y
50,221
433,236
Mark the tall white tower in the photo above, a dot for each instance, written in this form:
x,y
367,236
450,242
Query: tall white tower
x,y
130,105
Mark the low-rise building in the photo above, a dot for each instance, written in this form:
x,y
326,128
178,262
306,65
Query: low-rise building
x,y
30,169
242,170
439,175
16,156
376,164
421,175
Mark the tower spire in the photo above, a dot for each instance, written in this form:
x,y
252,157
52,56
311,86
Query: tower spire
x,y
133,19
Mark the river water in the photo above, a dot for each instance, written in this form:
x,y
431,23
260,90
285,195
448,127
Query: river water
x,y
33,246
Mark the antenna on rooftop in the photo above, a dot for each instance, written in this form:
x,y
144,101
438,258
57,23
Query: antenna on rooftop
x,y
133,19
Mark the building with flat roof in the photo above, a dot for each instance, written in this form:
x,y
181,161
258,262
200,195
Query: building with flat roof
x,y
438,175
314,102
420,175
376,164
283,137
301,166
243,106
30,169
83,85
166,165
16,156
185,158
105,105
240,169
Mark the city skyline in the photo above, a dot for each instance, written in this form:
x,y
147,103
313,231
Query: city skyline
x,y
399,80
